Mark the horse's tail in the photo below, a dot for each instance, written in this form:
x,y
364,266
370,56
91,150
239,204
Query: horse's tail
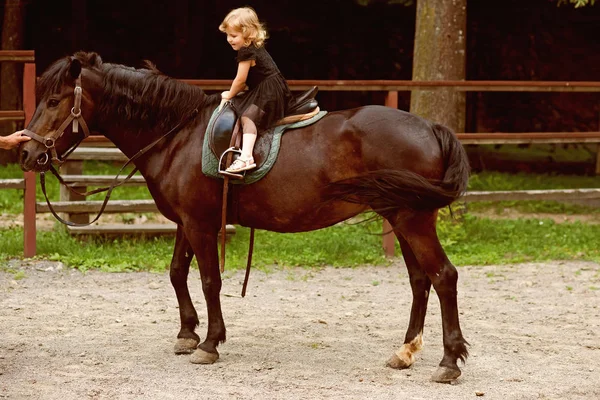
x,y
387,191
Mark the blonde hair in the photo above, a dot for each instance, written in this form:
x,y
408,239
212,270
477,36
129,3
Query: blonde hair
x,y
245,21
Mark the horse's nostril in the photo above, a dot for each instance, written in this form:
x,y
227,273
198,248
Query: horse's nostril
x,y
43,159
24,155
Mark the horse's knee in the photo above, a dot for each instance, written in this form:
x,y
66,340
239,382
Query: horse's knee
x,y
176,276
446,279
419,281
211,286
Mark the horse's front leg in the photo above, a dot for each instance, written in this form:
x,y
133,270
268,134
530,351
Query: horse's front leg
x,y
204,244
187,339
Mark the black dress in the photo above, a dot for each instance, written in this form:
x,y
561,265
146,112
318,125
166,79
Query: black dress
x,y
268,96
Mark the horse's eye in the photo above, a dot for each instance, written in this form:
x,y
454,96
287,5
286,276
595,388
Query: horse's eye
x,y
53,103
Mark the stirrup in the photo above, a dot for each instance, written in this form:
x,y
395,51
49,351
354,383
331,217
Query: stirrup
x,y
224,172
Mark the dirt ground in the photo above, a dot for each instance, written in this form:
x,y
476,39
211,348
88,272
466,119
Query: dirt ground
x,y
534,331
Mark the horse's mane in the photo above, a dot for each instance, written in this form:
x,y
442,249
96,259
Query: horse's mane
x,y
140,99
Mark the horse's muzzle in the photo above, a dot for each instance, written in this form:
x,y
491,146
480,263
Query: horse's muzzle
x,y
30,162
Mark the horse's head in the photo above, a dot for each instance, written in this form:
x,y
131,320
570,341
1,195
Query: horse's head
x,y
65,108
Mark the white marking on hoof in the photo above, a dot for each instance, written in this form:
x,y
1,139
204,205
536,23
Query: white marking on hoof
x,y
445,375
185,346
405,357
202,357
400,363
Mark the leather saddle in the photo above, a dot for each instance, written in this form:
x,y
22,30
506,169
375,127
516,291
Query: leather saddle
x,y
226,122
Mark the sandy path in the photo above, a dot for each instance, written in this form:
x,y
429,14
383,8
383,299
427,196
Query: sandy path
x,y
534,331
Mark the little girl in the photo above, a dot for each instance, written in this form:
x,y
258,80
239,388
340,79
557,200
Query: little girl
x,y
268,94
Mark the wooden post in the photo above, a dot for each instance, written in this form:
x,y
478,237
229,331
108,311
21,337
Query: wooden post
x,y
29,228
598,150
598,159
73,168
389,240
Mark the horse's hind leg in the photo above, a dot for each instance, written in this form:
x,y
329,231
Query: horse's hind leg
x,y
187,339
418,229
420,284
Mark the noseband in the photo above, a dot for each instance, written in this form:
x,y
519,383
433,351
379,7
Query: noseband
x,y
76,118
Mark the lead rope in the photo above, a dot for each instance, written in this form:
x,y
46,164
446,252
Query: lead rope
x,y
249,264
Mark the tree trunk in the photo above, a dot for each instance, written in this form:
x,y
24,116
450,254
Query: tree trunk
x,y
440,47
11,74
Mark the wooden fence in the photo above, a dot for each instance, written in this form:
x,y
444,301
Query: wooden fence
x,y
27,183
100,149
392,88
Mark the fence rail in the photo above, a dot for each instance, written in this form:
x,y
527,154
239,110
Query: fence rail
x,y
12,115
404,86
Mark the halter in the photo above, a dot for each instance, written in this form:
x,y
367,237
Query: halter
x,y
50,141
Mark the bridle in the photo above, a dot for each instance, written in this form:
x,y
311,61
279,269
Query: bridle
x,y
75,118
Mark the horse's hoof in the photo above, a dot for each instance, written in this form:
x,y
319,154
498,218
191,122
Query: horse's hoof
x,y
401,361
185,346
202,357
445,375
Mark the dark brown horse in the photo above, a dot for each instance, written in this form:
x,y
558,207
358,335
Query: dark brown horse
x,y
403,167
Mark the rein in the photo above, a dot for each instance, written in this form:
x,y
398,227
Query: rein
x,y
77,119
115,182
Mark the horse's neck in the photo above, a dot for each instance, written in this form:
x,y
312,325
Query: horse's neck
x,y
157,146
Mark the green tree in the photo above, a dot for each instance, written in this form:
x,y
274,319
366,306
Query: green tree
x,y
577,3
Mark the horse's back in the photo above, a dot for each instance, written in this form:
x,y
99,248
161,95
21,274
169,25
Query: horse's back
x,y
380,137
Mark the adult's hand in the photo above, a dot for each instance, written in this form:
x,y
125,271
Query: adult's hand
x,y
13,140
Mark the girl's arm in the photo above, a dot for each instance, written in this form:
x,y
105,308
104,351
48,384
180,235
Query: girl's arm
x,y
239,83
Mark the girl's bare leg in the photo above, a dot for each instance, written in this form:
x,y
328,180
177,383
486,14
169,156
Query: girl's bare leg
x,y
245,161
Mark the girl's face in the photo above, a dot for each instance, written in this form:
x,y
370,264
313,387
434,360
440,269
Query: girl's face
x,y
235,39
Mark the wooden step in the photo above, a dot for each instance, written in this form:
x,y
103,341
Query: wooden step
x,y
124,229
132,229
102,180
12,183
113,206
97,153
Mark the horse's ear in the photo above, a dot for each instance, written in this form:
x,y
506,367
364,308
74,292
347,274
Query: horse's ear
x,y
75,68
94,59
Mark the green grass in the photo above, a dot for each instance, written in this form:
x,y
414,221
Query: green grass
x,y
495,181
472,241
343,245
481,241
522,181
468,241
537,152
